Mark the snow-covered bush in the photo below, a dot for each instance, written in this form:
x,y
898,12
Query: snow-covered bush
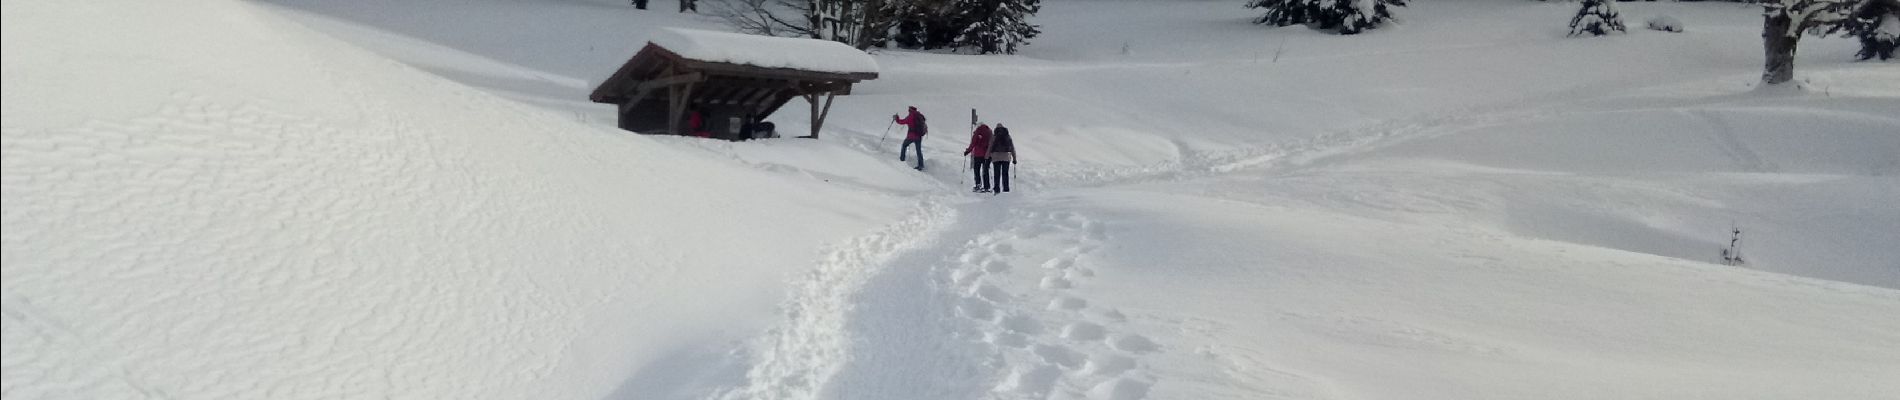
x,y
1665,23
1881,41
1344,16
1877,25
1596,17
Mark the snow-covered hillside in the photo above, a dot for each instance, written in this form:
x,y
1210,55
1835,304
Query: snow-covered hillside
x,y
243,208
367,199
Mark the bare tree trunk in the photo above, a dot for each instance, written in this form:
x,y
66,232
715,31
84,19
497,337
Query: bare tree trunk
x,y
1778,42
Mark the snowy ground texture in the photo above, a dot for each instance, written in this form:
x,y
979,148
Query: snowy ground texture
x,y
298,199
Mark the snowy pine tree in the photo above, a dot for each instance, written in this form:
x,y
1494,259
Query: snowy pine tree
x,y
1287,12
929,24
1596,17
1876,25
1360,15
997,26
1345,16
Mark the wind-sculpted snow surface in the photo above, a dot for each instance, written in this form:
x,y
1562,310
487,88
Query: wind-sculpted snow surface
x,y
350,227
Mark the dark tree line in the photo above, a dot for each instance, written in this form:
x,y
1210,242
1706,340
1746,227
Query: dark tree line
x,y
1002,26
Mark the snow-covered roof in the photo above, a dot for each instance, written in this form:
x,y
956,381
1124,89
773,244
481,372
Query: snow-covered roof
x,y
765,51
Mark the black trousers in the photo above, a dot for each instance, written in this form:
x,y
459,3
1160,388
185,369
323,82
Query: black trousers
x,y
1000,172
980,167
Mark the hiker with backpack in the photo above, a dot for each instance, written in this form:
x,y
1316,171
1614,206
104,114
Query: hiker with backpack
x,y
1002,154
979,152
915,122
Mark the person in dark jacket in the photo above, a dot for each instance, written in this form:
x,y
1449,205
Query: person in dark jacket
x,y
915,121
747,128
1002,155
979,152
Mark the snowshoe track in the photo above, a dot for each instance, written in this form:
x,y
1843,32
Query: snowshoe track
x,y
971,301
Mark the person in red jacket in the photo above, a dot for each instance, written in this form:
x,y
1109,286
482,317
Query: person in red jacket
x,y
917,131
979,152
696,124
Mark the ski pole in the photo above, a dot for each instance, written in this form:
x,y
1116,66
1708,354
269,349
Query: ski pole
x,y
887,132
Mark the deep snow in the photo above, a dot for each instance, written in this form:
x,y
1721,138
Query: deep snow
x,y
237,200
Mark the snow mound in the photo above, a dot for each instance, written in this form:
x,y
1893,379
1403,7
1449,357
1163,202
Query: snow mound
x,y
765,51
1665,23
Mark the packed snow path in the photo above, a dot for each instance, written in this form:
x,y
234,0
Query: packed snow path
x,y
947,300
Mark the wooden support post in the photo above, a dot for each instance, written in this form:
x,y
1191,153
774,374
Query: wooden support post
x,y
813,99
818,118
635,101
676,114
627,107
777,102
673,110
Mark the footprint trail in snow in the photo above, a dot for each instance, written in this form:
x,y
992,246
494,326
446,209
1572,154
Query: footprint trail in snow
x,y
1019,288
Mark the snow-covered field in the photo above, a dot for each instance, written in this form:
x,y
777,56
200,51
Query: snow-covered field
x,y
364,199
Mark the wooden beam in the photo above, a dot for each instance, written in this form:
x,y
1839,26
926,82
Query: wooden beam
x,y
707,94
736,95
724,96
753,98
822,87
635,101
732,98
759,99
673,110
671,81
779,73
633,70
773,106
677,112
754,83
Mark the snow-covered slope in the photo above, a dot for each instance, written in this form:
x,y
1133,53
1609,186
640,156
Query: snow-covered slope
x,y
204,200
368,199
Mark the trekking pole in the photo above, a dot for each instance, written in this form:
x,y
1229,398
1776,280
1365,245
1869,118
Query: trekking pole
x,y
887,132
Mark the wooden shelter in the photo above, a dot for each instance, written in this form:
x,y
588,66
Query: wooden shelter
x,y
728,77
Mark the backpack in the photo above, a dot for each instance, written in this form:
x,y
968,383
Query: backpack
x,y
1000,142
919,126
